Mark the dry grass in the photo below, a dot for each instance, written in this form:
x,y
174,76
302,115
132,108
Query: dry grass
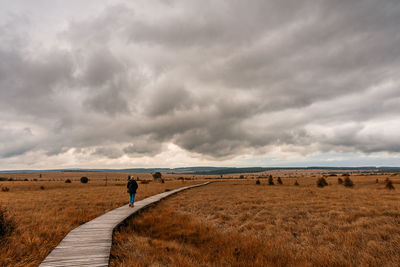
x,y
44,216
239,223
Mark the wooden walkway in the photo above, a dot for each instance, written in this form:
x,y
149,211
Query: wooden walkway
x,y
90,243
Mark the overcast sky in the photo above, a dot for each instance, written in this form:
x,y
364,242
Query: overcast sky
x,y
115,84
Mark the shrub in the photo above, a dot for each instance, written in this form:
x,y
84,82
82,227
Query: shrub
x,y
377,181
340,181
162,181
389,185
348,182
332,175
68,181
157,176
166,190
5,189
35,180
26,180
345,174
144,181
42,187
279,180
84,180
241,176
3,179
321,182
10,179
258,182
296,183
7,225
270,180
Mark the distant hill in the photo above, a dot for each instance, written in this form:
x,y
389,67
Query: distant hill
x,y
211,170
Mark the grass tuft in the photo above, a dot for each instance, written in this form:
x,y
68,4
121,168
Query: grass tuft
x,y
389,185
321,182
348,182
7,225
5,189
270,180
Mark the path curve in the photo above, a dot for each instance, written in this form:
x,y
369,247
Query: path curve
x,y
90,243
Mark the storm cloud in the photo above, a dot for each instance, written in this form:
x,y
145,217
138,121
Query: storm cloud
x,y
115,83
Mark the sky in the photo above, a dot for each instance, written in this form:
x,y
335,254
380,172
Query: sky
x,y
165,83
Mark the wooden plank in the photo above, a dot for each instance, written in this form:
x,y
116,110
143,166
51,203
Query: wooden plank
x,y
90,243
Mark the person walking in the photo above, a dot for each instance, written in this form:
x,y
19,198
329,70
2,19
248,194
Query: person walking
x,y
132,187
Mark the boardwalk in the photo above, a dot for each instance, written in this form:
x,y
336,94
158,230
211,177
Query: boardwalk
x,y
90,243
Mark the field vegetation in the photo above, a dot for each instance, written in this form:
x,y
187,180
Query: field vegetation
x,y
37,211
242,223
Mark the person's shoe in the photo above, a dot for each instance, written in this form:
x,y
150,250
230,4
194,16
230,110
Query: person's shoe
x,y
130,204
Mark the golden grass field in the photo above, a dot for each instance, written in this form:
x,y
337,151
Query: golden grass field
x,y
44,216
239,223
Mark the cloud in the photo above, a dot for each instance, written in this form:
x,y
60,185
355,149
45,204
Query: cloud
x,y
220,80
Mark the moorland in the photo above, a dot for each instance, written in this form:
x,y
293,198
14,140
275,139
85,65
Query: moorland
x,y
241,221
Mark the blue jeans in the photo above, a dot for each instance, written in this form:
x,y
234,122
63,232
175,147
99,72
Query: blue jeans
x,y
132,197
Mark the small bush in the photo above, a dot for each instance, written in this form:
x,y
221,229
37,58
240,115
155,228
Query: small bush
x,y
321,182
258,182
348,182
241,176
84,180
3,179
5,189
34,179
157,176
345,174
68,181
41,187
162,181
270,180
377,181
166,190
332,175
7,225
296,183
340,181
389,185
279,180
10,179
144,181
26,180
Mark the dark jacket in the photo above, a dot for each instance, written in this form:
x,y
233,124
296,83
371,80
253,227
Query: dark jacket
x,y
132,186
